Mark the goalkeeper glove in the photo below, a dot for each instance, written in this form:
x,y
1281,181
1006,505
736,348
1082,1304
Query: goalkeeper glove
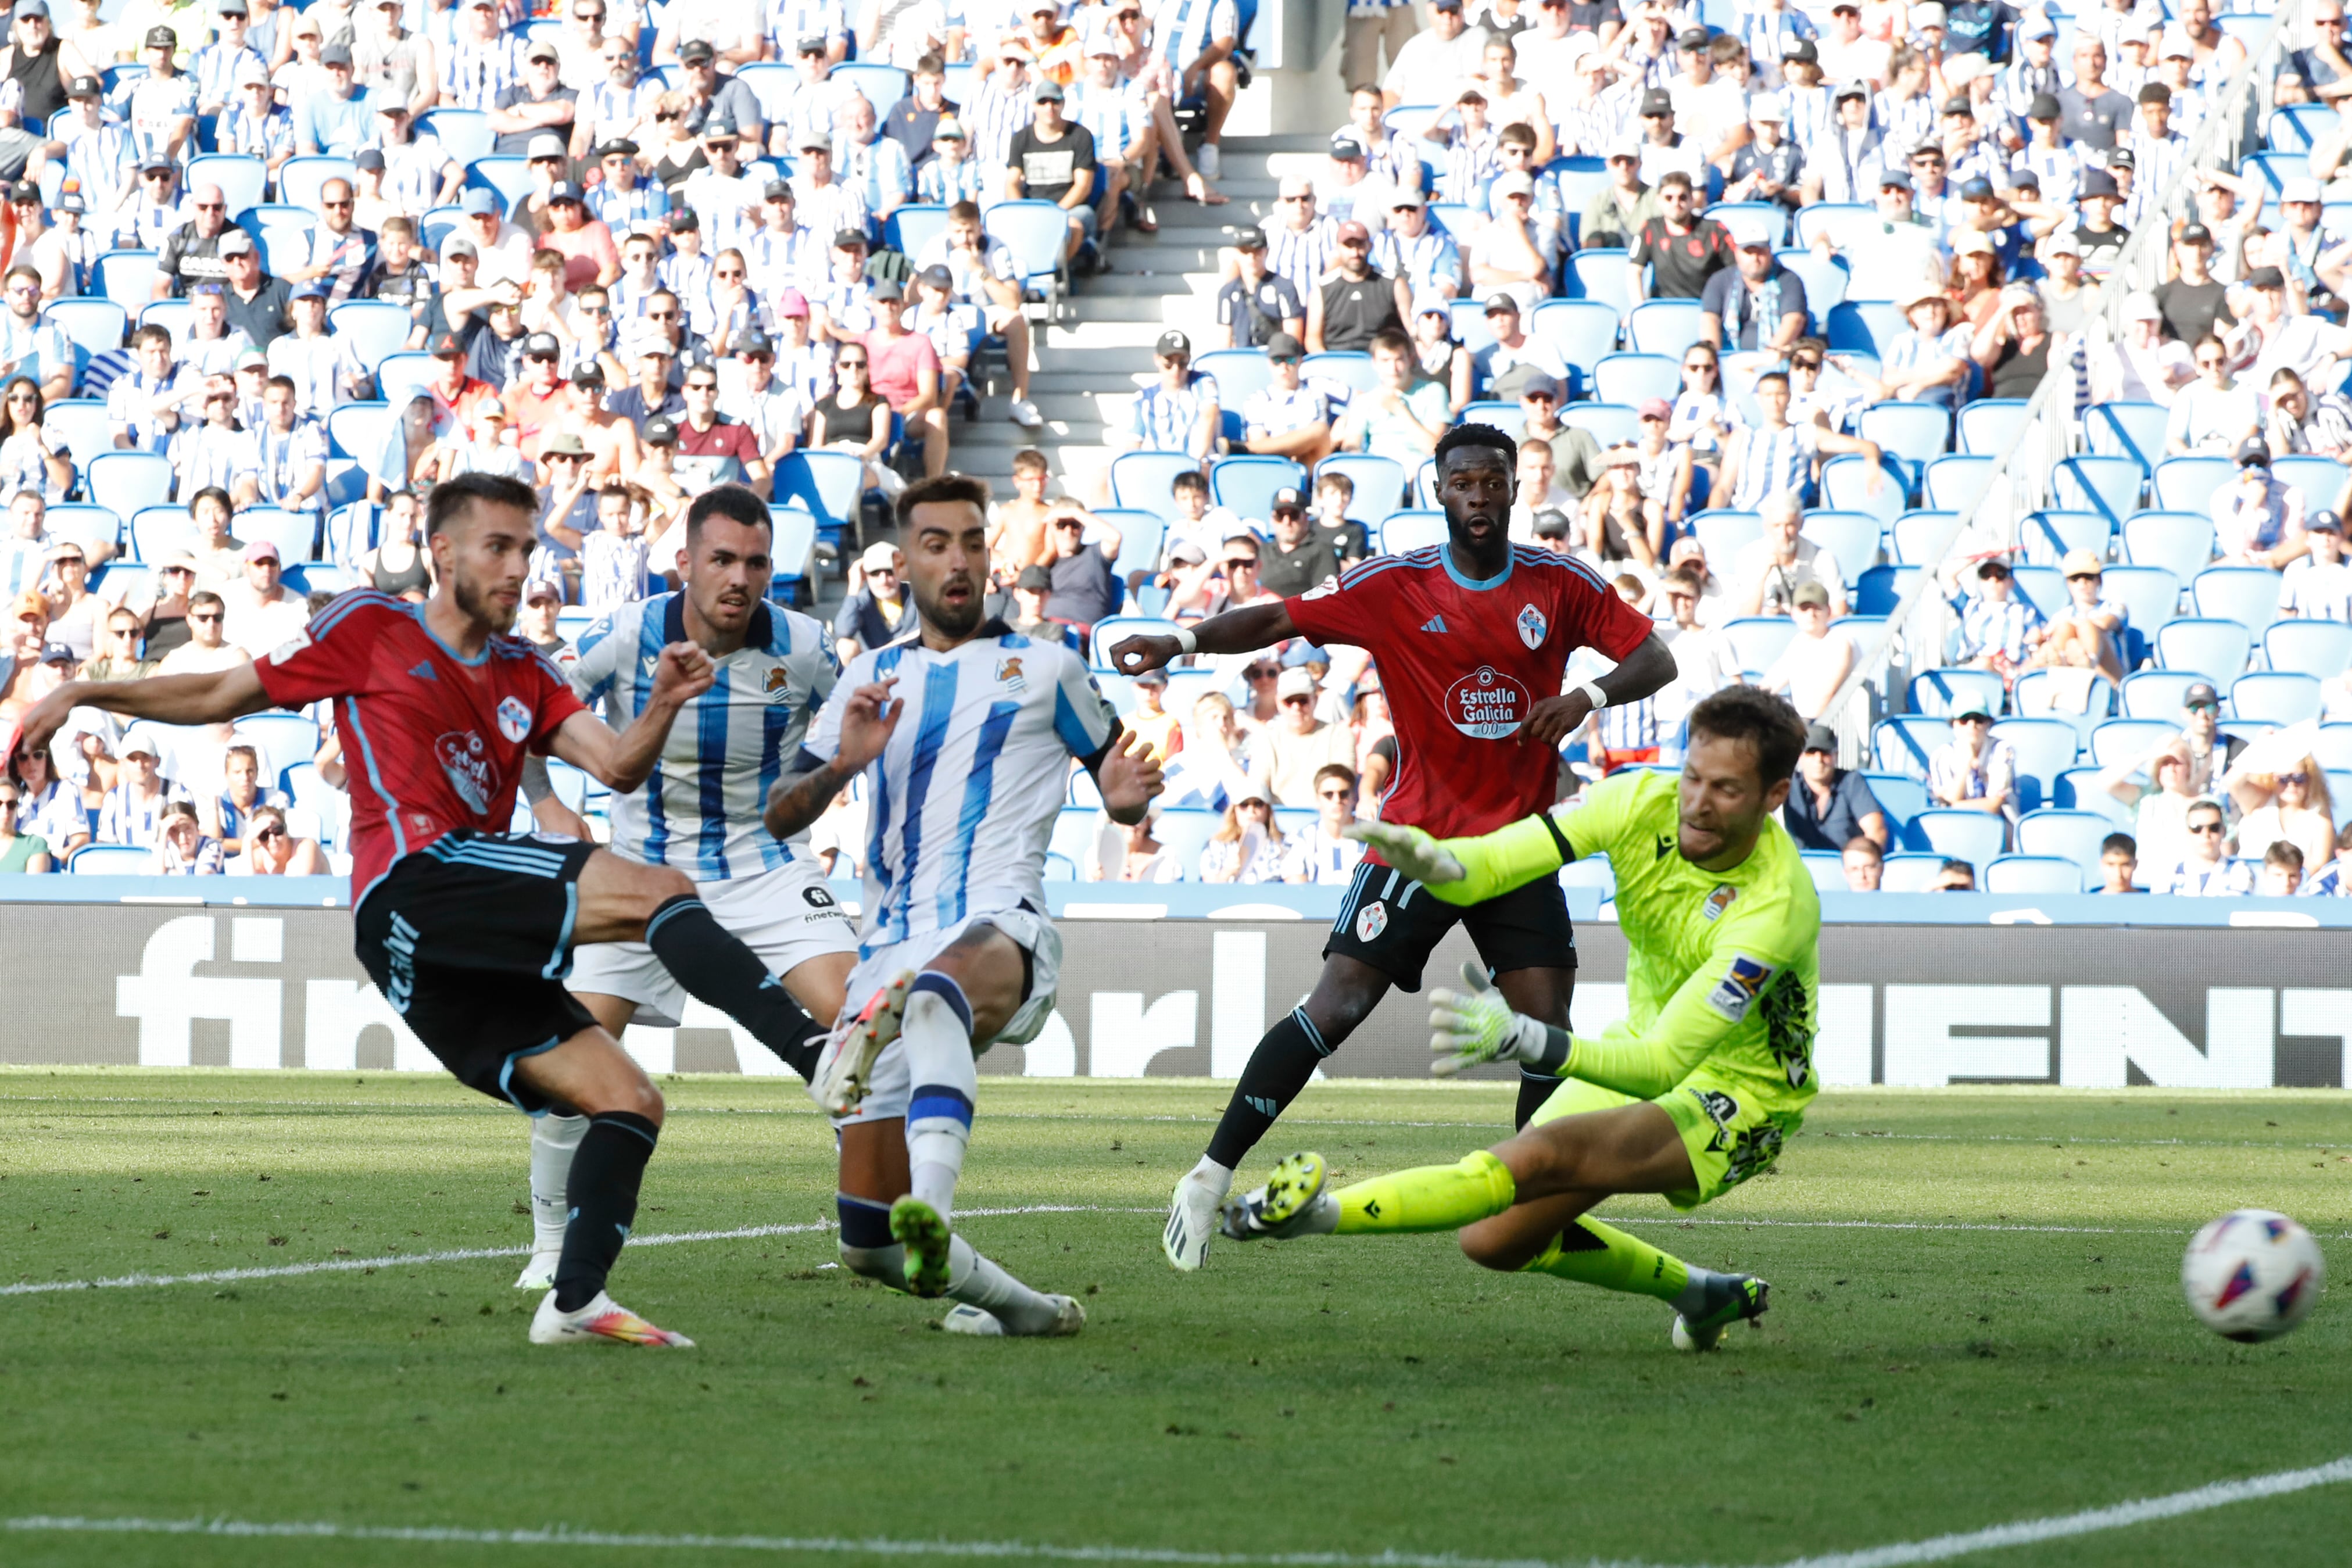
x,y
1467,1028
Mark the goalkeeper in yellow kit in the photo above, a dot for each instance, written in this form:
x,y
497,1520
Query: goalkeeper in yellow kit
x,y
1694,1092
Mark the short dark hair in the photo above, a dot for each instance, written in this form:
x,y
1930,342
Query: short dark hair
x,y
451,498
152,332
1675,179
734,503
1189,479
1481,438
940,490
1868,846
1346,776
2120,844
2284,852
1779,375
1751,714
205,598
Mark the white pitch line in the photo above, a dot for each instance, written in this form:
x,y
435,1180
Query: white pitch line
x,y
1899,1554
471,1254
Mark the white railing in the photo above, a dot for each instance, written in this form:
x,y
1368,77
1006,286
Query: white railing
x,y
1914,638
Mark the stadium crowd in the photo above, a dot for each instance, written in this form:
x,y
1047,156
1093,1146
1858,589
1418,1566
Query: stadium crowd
x,y
1751,296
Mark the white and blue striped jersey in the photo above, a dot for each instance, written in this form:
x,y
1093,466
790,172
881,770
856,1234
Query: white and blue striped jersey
x,y
700,811
963,800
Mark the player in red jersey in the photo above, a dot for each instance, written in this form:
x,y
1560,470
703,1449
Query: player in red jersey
x,y
1473,639
467,929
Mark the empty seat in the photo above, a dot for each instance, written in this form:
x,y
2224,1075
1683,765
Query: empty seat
x,y
2070,834
2217,647
2246,594
1904,744
1976,837
2322,649
1937,693
2030,873
2274,697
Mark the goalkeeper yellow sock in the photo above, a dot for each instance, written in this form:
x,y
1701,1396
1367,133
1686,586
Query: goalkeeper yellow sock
x,y
1428,1197
1592,1253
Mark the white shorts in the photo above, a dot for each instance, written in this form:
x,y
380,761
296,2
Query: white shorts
x,y
893,1083
787,916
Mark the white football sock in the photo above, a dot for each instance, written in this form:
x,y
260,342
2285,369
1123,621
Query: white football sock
x,y
553,1141
978,1282
936,1034
1212,1174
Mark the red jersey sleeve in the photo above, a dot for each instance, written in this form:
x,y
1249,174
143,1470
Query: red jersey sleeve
x,y
1593,616
329,657
1346,608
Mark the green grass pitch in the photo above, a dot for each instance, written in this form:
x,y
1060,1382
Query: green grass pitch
x,y
1336,1396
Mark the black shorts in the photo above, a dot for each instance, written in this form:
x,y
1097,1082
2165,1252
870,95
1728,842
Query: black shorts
x,y
1393,925
469,939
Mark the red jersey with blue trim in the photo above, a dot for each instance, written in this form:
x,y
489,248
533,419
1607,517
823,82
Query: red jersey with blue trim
x,y
432,744
1461,663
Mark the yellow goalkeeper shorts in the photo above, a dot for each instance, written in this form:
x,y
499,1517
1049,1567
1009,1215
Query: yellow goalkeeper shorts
x,y
1731,1128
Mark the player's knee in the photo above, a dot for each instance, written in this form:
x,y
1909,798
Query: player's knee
x,y
661,884
1489,1245
646,1100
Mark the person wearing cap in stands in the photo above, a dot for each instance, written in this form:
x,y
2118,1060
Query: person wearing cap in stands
x,y
392,64
1830,807
99,153
334,121
2318,586
1412,250
1844,163
1053,160
2194,303
622,98
1286,417
653,359
40,62
161,107
2087,634
482,61
255,122
1178,411
949,173
876,605
215,68
324,370
207,347
1619,209
1962,150
841,308
590,258
290,452
539,399
1768,167
2215,414
824,201
1259,304
1928,364
726,199
191,250
1977,281
2301,421
805,109
623,199
934,316
1030,587
341,253
802,362
263,613
1903,109
1438,355
1757,306
1501,368
1300,557
1815,662
1680,246
1354,302
999,105
1470,145
538,104
2257,518
1664,149
2304,242
2014,347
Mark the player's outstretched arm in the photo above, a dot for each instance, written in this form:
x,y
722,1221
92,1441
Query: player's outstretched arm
x,y
210,699
623,762
1236,631
868,717
1470,871
1642,673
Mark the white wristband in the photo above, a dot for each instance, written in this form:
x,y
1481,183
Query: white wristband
x,y
1187,641
1592,688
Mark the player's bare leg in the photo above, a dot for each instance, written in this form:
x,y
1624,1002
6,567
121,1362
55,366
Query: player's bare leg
x,y
1345,994
1522,1206
817,983
899,1175
622,1113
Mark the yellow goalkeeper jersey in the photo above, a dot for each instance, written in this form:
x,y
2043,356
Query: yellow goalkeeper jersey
x,y
1723,967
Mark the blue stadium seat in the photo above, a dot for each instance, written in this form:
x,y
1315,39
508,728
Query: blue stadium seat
x,y
283,740
1918,433
153,531
1937,692
359,431
1141,535
1109,632
2180,542
2070,834
1976,837
1909,873
464,134
295,533
1865,326
2246,594
1378,481
243,178
437,224
881,85
2275,169
2044,587
1757,641
2121,741
2012,875
300,180
1631,378
1914,538
1882,589
1747,220
1583,330
375,329
2150,594
2108,485
1951,483
2045,748
1246,485
400,378
1403,531
125,482
125,277
1904,743
1352,368
2134,430
1662,327
1507,417
1825,278
1139,481
172,315
506,176
2051,536
2161,693
1989,424
95,325
1851,537
2321,649
913,227
1611,423
1240,374
1034,232
825,484
1900,798
80,424
1598,275
794,548
109,860
2278,698
2079,790
1845,487
1723,534
1468,320
85,525
2218,648
1827,870
2321,479
1829,217
2333,746
2298,127
2036,696
2186,484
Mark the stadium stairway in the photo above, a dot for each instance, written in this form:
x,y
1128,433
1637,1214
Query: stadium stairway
x,y
1089,365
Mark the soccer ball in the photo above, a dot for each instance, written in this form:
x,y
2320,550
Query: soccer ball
x,y
2252,1275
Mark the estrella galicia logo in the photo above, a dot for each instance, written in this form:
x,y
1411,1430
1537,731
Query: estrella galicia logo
x,y
1487,704
1532,626
466,763
818,898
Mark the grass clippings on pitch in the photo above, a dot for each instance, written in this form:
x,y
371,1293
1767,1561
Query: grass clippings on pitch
x,y
2021,1350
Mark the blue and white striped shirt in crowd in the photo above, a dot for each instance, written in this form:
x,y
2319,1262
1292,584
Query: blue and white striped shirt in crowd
x,y
789,21
1769,34
475,73
787,258
1170,421
944,184
621,210
1116,115
1906,123
1425,261
214,69
1470,162
2228,877
1996,626
962,799
612,109
263,136
701,810
282,460
613,570
996,113
1915,348
1183,28
1302,255
1773,460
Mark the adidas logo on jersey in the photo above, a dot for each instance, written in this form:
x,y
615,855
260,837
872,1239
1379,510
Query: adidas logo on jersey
x,y
425,671
1435,624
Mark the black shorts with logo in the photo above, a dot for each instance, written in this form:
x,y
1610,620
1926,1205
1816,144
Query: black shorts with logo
x,y
1394,924
469,939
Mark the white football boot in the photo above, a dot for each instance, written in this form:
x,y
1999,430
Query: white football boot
x,y
845,1073
1191,1220
602,1318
